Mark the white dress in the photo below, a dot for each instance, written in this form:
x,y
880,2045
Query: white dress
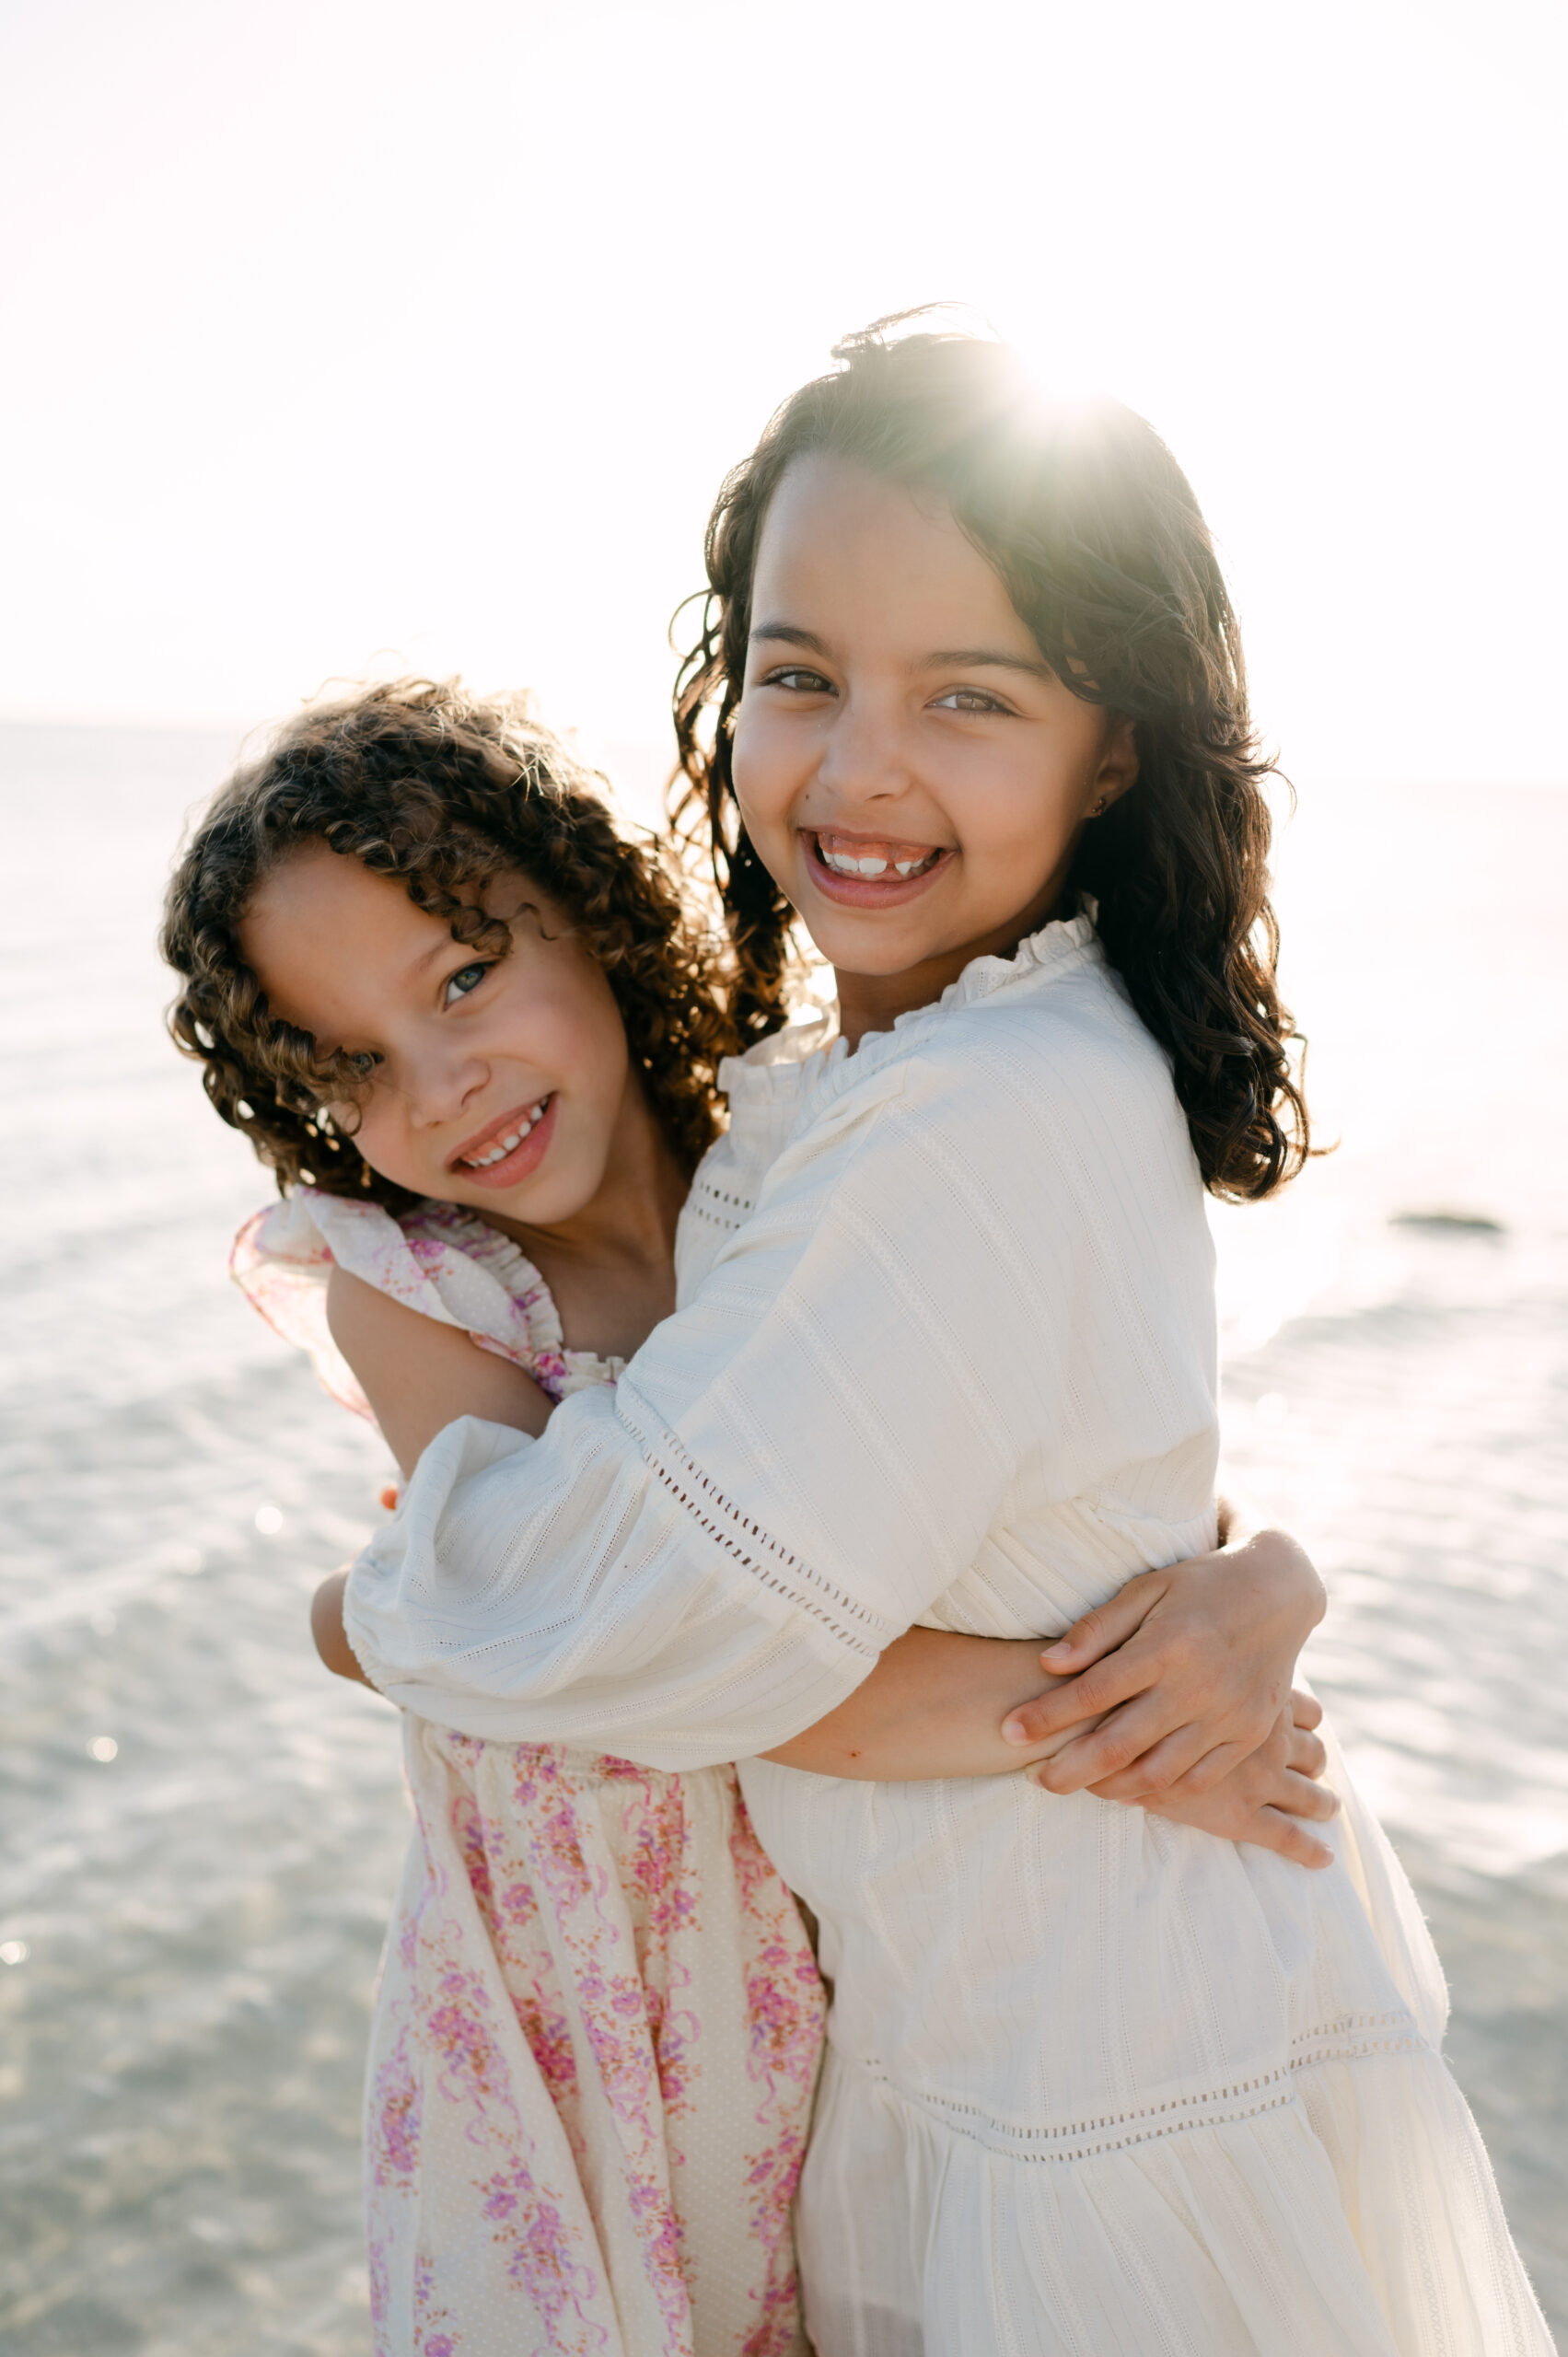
x,y
1096,2084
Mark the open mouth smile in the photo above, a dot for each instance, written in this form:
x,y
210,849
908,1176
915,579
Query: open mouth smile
x,y
510,1148
870,871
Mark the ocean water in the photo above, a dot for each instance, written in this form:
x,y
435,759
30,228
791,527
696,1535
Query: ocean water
x,y
201,1831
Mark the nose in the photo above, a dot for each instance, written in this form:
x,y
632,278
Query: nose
x,y
440,1080
865,758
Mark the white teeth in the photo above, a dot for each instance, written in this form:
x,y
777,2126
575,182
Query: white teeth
x,y
504,1146
844,863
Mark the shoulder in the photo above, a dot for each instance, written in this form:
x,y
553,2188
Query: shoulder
x,y
1063,1068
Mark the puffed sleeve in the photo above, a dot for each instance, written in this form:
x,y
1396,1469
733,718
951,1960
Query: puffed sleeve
x,y
950,1280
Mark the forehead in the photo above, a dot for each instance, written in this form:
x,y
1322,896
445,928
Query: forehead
x,y
847,551
330,942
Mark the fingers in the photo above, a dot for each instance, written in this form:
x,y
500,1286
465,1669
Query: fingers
x,y
1166,1767
1305,1753
1299,1797
1203,1778
1306,1709
1085,1696
1268,1829
1107,1626
1105,1750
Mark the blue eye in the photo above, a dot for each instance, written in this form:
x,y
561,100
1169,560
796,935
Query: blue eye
x,y
466,979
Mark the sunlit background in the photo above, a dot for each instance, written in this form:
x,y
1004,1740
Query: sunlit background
x,y
347,337
341,332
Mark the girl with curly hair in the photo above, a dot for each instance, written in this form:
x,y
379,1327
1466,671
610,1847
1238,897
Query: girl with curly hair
x,y
476,1033
971,702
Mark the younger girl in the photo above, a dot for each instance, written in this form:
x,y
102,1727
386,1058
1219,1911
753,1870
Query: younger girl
x,y
971,702
461,1017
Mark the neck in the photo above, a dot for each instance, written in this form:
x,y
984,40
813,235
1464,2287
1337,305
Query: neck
x,y
870,1003
632,1217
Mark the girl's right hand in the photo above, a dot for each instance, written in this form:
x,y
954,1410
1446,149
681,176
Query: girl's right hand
x,y
1267,1797
327,1629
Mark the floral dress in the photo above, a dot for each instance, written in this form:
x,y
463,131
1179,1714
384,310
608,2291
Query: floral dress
x,y
598,2021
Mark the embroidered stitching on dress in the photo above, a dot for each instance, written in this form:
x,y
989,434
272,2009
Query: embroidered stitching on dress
x,y
1346,2040
704,1192
877,1632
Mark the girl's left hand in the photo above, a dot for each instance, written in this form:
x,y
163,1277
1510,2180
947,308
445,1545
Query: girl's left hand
x,y
1184,1674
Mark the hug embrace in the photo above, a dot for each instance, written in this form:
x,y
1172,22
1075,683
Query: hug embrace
x,y
791,1954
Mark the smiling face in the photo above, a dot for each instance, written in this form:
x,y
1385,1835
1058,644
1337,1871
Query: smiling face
x,y
498,1082
914,775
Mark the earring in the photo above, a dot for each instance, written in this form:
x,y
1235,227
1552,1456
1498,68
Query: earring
x,y
1098,809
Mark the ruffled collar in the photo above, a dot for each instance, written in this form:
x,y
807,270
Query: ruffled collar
x,y
806,1056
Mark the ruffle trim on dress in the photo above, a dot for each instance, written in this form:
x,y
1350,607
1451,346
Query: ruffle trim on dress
x,y
1350,2211
792,1068
439,1258
557,1370
1353,2038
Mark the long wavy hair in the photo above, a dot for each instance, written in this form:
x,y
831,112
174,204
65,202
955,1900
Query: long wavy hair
x,y
1096,537
444,790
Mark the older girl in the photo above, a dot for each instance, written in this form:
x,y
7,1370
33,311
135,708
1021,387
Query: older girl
x,y
468,1025
972,703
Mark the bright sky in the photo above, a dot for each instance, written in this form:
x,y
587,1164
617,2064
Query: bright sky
x,y
349,332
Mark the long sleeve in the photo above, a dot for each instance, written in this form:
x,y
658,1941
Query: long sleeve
x,y
950,1287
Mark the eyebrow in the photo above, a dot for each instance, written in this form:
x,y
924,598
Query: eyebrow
x,y
962,658
428,956
787,635
994,658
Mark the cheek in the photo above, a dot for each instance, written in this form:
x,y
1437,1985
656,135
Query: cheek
x,y
764,761
382,1141
1020,811
585,1038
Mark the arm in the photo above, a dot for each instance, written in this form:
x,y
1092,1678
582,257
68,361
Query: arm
x,y
814,1449
932,1704
420,1376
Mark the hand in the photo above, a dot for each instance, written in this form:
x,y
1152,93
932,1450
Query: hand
x,y
1181,1675
1265,1797
327,1628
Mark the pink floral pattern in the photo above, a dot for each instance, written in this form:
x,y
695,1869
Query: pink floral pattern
x,y
439,1259
598,2023
595,2048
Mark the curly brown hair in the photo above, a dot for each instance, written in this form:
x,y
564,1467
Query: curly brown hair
x,y
442,789
1098,539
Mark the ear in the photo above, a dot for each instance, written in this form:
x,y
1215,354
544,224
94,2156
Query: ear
x,y
1118,763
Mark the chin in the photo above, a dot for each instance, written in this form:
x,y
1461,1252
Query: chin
x,y
871,944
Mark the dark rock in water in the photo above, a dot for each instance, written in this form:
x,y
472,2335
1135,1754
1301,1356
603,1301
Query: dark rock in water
x,y
1450,1223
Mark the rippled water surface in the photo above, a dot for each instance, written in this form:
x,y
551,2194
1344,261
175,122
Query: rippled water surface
x,y
201,1830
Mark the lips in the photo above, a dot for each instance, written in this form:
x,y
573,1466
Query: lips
x,y
510,1148
871,871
